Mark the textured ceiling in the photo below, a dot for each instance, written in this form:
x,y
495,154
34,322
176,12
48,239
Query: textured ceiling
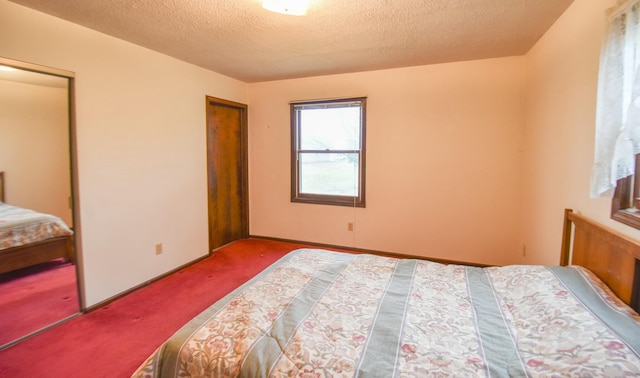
x,y
240,39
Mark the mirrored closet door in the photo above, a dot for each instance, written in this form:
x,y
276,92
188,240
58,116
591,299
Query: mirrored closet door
x,y
38,223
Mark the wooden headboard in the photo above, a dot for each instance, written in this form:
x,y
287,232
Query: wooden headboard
x,y
1,186
612,256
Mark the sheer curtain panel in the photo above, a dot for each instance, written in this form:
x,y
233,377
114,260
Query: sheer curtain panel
x,y
617,138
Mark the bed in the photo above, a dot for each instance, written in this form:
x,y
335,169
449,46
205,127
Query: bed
x,y
28,237
318,313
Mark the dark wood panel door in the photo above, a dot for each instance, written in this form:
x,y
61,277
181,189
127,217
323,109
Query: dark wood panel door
x,y
227,171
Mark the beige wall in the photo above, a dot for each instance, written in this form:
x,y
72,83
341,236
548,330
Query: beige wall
x,y
141,146
422,122
562,73
34,147
444,153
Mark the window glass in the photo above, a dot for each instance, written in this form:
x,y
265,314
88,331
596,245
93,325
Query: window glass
x,y
330,128
330,174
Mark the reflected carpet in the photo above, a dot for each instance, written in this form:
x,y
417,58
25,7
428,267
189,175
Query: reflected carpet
x,y
35,297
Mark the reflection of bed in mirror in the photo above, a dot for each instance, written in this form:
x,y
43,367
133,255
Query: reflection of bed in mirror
x,y
28,237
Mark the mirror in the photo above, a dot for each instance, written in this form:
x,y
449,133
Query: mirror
x,y
38,212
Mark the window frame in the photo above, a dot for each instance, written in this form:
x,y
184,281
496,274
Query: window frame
x,y
327,199
625,204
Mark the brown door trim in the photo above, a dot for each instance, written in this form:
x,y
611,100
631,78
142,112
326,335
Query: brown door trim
x,y
244,175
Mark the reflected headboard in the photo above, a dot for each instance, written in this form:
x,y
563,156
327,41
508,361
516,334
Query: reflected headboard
x,y
1,186
612,256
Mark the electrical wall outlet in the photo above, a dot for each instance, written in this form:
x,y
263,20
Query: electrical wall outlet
x,y
158,248
350,226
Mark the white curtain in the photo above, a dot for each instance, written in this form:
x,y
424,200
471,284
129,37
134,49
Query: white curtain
x,y
617,138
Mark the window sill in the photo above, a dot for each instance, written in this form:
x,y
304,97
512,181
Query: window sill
x,y
630,217
328,201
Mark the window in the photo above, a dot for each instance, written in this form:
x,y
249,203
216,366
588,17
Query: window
x,y
617,141
328,152
625,206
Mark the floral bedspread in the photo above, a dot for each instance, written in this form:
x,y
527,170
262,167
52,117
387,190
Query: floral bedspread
x,y
20,226
317,313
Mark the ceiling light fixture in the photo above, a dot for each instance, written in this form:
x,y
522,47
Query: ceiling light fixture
x,y
291,7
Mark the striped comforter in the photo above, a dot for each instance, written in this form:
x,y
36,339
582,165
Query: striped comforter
x,y
317,313
20,226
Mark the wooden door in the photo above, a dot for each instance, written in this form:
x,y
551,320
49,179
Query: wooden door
x,y
227,171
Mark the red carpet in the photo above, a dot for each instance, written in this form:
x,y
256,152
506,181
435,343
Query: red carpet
x,y
114,340
35,297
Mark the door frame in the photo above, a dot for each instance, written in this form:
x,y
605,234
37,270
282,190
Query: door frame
x,y
244,145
